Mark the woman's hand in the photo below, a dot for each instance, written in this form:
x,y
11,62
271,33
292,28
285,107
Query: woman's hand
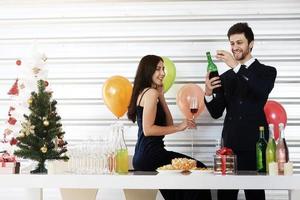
x,y
187,123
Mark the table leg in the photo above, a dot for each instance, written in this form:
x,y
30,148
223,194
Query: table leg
x,y
294,194
34,194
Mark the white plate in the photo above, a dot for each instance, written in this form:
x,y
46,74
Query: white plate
x,y
202,171
169,171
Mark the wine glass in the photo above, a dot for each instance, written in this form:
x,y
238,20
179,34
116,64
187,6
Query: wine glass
x,y
193,106
194,109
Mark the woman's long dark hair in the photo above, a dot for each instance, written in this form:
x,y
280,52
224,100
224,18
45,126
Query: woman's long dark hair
x,y
142,80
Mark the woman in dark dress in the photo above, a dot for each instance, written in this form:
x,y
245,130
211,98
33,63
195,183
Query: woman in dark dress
x,y
149,108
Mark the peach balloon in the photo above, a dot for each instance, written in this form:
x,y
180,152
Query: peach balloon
x,y
116,93
184,96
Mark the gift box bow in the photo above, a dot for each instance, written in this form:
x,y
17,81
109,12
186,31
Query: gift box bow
x,y
224,151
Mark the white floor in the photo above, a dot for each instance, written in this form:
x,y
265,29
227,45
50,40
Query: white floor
x,y
53,194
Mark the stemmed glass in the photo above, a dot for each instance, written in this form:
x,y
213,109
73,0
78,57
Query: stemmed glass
x,y
193,106
194,109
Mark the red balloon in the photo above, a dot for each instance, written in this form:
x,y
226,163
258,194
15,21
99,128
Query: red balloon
x,y
184,96
275,114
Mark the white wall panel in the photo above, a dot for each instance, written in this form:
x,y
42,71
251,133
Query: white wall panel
x,y
88,41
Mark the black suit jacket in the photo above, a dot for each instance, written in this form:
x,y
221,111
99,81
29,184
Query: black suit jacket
x,y
243,95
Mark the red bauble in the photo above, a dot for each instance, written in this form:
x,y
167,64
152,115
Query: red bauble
x,y
12,120
13,141
61,143
18,62
46,83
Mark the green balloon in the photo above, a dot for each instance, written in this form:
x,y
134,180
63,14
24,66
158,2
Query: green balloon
x,y
170,72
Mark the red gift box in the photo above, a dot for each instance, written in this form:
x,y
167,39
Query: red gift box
x,y
7,164
225,161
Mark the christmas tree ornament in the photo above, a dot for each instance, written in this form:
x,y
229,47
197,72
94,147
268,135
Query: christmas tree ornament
x,y
13,141
36,70
61,143
22,86
21,135
44,149
18,62
46,83
44,57
29,101
55,140
14,90
46,123
7,131
27,128
11,120
11,109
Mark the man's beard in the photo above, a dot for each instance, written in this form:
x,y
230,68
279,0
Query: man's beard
x,y
241,55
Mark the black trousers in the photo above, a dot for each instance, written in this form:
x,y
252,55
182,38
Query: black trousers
x,y
150,162
246,160
186,194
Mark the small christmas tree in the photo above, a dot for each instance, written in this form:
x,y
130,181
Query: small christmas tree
x,y
41,136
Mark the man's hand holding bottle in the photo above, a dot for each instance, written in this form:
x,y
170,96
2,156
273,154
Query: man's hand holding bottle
x,y
211,84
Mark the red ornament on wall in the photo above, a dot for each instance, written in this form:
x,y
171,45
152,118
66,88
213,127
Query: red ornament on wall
x,y
18,62
14,90
12,120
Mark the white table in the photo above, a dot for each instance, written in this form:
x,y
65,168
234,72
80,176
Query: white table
x,y
161,181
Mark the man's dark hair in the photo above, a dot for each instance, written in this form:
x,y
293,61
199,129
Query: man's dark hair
x,y
241,28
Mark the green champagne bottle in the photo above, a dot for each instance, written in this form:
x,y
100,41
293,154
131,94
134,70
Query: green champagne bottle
x,y
213,69
271,148
261,146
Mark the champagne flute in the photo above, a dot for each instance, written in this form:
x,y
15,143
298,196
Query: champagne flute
x,y
194,109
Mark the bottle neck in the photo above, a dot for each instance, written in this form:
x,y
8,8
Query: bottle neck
x,y
211,67
208,56
261,134
271,133
122,142
282,136
119,139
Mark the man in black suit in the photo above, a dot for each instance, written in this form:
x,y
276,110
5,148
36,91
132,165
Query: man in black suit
x,y
244,91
